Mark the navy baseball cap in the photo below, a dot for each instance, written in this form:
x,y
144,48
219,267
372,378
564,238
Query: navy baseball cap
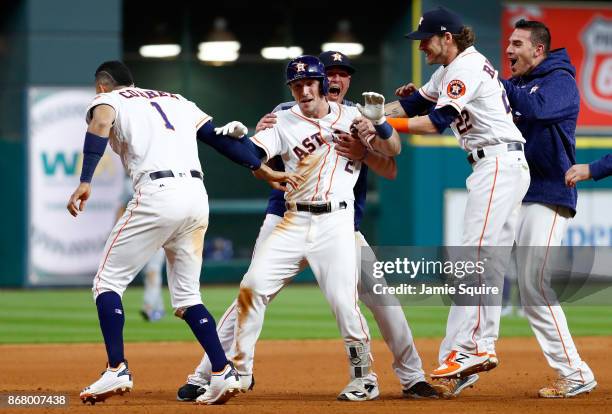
x,y
331,58
437,21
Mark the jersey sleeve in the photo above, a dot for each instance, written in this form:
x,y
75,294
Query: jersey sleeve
x,y
430,90
109,99
270,141
199,117
458,87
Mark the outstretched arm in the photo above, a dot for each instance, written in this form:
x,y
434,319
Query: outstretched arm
x,y
232,142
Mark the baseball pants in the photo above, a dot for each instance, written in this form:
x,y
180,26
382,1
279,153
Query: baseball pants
x,y
171,213
544,226
319,239
496,188
391,321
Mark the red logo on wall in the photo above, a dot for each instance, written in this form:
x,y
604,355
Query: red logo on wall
x,y
596,79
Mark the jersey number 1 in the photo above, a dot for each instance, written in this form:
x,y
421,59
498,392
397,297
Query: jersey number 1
x,y
163,115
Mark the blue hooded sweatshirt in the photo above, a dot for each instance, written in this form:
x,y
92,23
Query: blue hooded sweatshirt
x,y
545,105
601,168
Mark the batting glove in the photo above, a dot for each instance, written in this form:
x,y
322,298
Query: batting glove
x,y
234,129
374,108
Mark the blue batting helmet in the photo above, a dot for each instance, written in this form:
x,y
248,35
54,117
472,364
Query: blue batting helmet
x,y
307,67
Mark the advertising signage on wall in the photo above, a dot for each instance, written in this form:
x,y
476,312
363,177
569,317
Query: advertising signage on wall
x,y
586,32
592,225
63,250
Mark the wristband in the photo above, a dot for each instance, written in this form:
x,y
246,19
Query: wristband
x,y
93,149
384,130
400,124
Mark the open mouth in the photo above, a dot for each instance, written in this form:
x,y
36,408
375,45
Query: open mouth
x,y
306,100
334,89
513,62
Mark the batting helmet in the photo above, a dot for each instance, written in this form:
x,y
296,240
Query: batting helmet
x,y
307,67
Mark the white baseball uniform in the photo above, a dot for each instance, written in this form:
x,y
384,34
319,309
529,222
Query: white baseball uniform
x,y
307,147
391,320
152,298
542,226
155,132
496,187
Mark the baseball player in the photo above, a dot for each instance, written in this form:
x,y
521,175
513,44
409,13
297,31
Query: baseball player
x,y
465,94
545,101
390,319
319,221
153,132
596,170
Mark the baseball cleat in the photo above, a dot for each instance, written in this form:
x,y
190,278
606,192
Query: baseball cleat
x,y
192,389
223,386
361,389
114,381
452,387
461,364
247,382
420,390
491,363
564,388
190,392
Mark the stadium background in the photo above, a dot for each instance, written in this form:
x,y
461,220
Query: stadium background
x,y
60,43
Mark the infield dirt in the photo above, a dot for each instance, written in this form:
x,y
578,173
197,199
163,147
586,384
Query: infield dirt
x,y
296,377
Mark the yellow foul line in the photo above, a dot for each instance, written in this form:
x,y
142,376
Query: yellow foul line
x,y
451,141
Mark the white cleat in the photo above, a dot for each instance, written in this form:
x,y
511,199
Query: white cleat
x,y
564,388
114,381
247,382
361,389
462,364
223,386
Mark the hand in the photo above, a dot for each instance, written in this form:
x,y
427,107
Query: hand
x,y
266,122
578,172
234,129
267,174
279,186
405,90
363,129
350,147
82,193
374,108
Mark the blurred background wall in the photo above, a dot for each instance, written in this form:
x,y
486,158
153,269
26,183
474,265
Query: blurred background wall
x,y
60,43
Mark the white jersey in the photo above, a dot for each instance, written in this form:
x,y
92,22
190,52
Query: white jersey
x,y
153,130
470,84
307,147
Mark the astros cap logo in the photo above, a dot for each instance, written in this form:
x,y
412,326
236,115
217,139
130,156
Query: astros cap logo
x,y
300,66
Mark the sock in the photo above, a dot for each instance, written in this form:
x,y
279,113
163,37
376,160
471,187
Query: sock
x,y
204,328
110,314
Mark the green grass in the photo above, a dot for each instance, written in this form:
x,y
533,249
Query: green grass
x,y
299,312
